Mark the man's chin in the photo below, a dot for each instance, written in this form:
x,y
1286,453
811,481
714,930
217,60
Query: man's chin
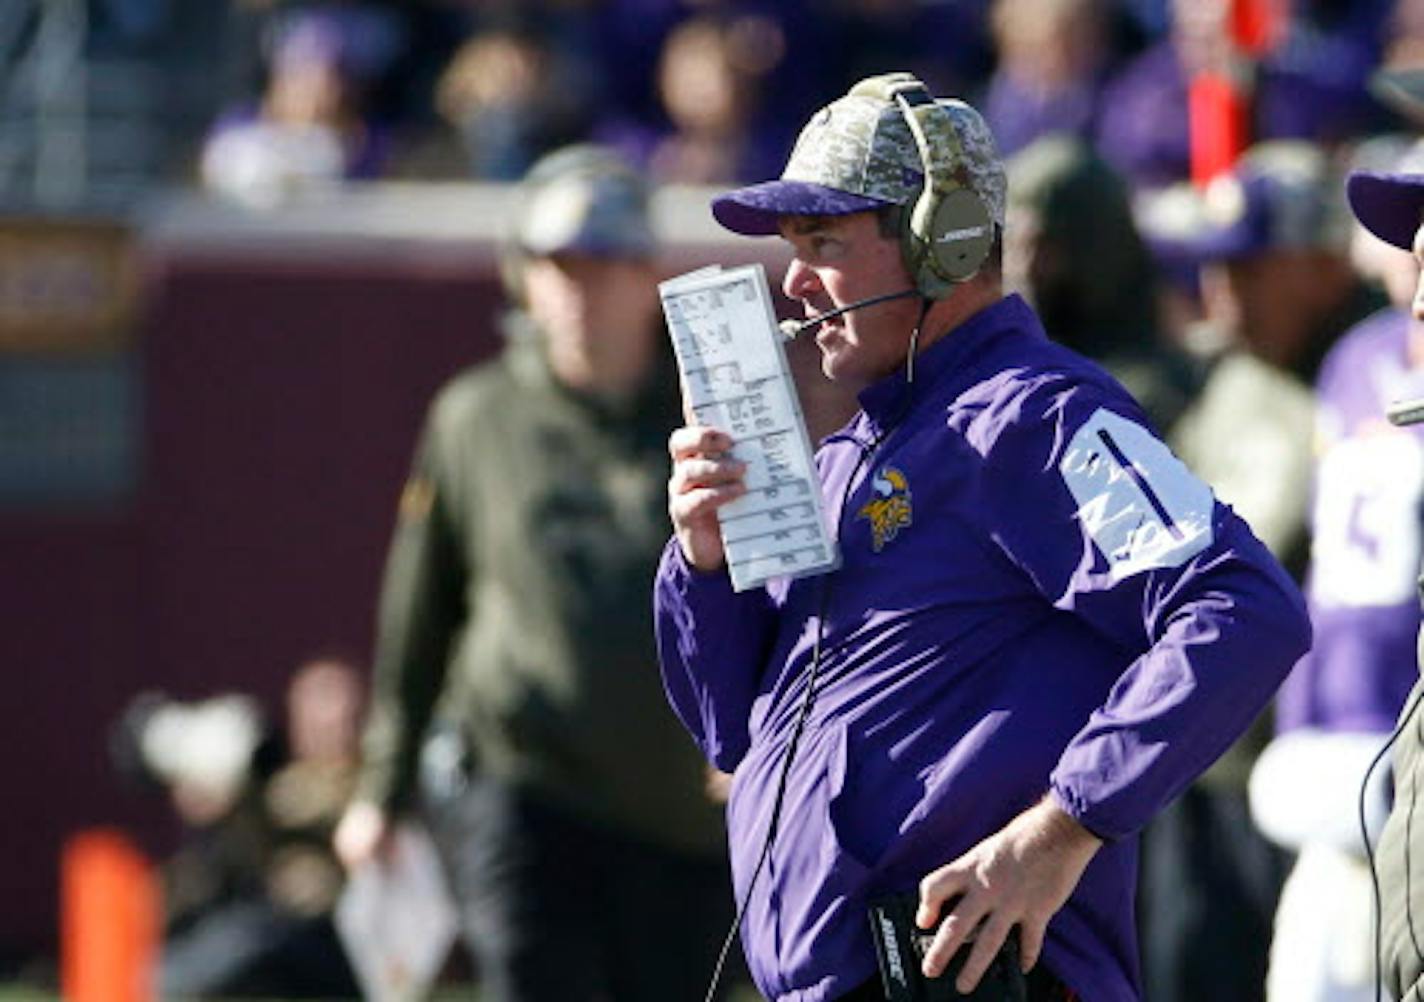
x,y
838,369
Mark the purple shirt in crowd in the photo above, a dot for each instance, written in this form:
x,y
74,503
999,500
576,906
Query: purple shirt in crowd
x,y
1366,530
1311,87
1034,596
1018,114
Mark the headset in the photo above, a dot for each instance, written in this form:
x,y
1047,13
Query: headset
x,y
947,234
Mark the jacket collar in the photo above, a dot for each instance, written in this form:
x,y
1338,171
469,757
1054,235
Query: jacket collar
x,y
888,402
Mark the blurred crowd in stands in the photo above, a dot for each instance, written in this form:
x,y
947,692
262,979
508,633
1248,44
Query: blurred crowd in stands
x,y
711,91
248,896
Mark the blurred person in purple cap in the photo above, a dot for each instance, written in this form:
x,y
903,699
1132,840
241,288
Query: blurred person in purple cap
x,y
1391,206
313,122
1340,703
1274,257
516,703
1042,626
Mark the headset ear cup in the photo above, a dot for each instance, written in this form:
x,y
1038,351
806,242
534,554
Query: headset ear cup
x,y
945,239
960,234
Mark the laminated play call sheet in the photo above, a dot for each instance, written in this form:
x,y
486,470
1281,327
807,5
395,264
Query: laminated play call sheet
x,y
735,377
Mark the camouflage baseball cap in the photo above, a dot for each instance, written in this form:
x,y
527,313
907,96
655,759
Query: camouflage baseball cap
x,y
583,198
857,154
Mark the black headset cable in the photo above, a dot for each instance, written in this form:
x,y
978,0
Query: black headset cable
x,y
867,450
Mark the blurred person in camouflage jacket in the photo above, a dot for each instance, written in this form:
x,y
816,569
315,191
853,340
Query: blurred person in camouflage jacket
x,y
516,685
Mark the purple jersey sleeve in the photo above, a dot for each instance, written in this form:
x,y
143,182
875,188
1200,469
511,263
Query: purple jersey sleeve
x,y
1113,529
712,643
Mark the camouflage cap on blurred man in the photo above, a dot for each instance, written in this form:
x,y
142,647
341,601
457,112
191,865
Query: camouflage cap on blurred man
x,y
583,199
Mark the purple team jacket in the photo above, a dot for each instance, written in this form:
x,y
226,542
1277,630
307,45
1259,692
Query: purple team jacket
x,y
1034,596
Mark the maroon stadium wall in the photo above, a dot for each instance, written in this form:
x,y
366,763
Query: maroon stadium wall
x,y
282,363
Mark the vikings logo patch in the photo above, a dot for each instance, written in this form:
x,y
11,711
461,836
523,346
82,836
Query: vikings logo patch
x,y
888,510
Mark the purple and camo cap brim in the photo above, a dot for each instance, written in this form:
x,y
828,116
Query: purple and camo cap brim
x,y
858,154
1391,206
754,211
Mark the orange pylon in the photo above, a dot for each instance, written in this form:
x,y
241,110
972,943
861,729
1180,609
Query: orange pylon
x,y
109,919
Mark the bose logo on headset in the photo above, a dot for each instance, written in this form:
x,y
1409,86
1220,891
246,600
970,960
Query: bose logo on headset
x,y
969,233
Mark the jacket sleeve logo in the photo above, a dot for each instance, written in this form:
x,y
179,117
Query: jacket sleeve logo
x,y
889,509
1138,503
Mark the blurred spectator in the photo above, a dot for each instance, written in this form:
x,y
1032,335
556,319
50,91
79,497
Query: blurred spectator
x,y
1404,47
1051,56
1337,707
709,80
944,44
1277,289
248,897
1313,81
714,74
1309,85
1276,274
1143,130
313,122
516,681
506,98
1072,249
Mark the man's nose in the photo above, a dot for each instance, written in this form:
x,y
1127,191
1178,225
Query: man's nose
x,y
1418,304
800,281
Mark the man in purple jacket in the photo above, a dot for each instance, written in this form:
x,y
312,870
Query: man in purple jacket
x,y
1042,628
1367,614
